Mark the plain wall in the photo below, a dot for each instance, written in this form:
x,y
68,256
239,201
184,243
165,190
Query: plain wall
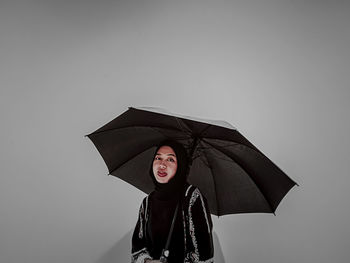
x,y
276,70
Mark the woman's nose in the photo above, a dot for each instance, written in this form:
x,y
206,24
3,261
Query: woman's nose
x,y
162,166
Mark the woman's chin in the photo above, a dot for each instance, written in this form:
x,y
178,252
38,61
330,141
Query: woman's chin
x,y
162,180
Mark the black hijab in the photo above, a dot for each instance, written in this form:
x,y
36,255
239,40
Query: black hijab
x,y
175,185
163,201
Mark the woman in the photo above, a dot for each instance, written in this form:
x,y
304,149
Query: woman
x,y
191,239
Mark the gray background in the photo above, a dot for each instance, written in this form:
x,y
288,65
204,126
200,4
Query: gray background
x,y
276,70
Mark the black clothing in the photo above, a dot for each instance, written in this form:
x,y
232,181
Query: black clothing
x,y
192,237
159,223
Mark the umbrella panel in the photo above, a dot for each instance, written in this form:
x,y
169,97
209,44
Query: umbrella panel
x,y
226,185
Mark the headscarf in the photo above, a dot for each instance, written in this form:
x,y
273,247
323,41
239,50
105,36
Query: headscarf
x,y
176,184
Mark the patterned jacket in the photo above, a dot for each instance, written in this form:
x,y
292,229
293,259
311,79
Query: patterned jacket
x,y
198,241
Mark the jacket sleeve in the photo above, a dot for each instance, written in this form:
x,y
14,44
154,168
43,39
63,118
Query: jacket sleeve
x,y
139,250
200,230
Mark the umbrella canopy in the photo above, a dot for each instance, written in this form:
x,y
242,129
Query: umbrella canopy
x,y
231,172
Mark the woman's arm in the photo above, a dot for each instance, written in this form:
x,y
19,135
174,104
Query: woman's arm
x,y
200,229
139,252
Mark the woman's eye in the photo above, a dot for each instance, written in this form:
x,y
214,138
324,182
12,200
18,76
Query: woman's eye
x,y
171,160
156,158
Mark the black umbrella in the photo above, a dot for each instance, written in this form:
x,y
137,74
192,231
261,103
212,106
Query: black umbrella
x,y
231,172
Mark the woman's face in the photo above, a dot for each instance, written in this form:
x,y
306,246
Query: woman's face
x,y
164,164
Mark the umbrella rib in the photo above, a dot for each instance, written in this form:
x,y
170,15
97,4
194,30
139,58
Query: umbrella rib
x,y
233,143
215,188
204,129
239,164
246,143
170,137
183,126
132,157
135,126
247,146
129,159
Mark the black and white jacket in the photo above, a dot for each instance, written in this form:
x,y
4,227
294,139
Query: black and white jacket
x,y
198,241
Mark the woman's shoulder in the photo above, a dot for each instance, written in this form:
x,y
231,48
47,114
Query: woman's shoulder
x,y
144,208
192,192
189,189
145,200
194,197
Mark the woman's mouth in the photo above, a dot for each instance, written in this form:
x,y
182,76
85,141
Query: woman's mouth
x,y
162,174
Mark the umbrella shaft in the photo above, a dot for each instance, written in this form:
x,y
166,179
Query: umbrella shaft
x,y
193,147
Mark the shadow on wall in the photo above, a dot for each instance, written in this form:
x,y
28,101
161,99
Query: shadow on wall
x,y
121,251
